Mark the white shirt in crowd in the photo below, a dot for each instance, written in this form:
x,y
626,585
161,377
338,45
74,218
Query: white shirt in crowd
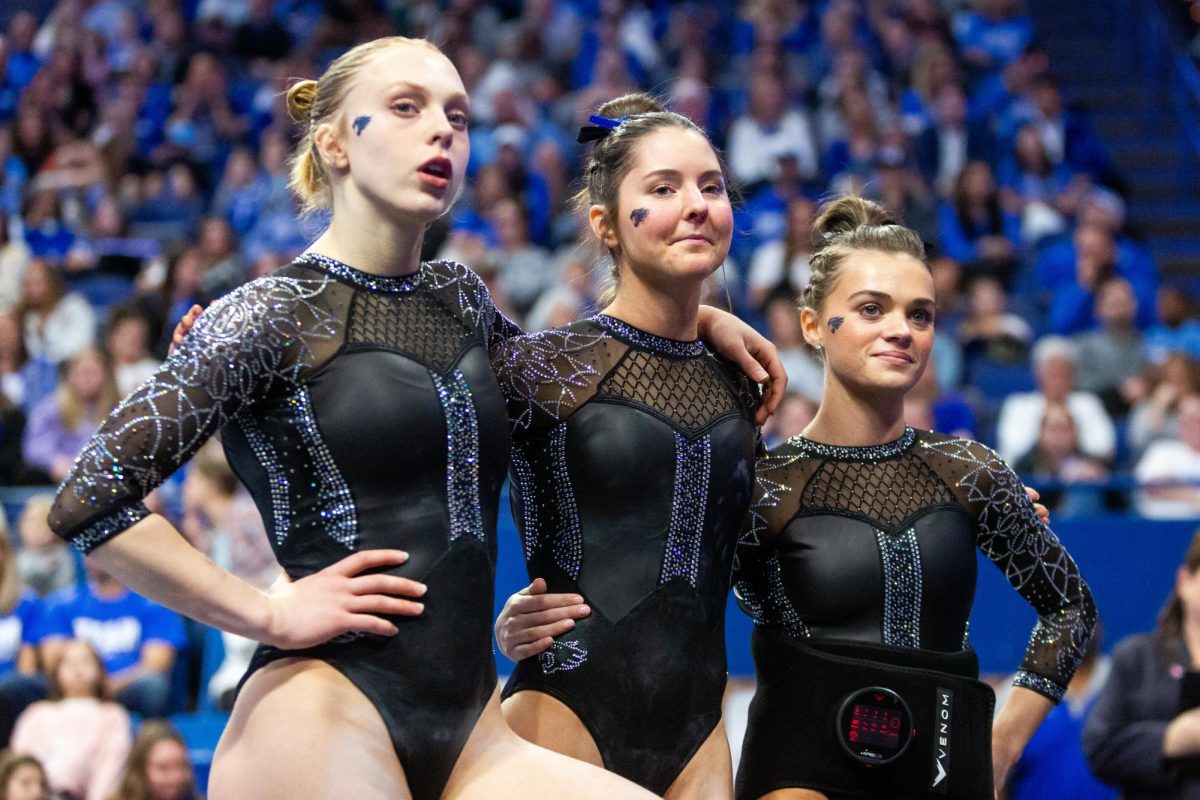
x,y
1021,421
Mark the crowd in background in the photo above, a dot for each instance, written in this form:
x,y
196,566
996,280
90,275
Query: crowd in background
x,y
143,168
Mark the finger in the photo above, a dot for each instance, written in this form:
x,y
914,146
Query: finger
x,y
365,623
1033,493
534,634
366,559
748,363
384,604
532,649
553,615
523,604
387,584
537,587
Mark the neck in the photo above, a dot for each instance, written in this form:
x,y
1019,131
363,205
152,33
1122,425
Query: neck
x,y
670,312
850,420
360,238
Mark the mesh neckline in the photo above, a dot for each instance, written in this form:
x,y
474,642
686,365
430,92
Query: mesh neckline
x,y
646,340
365,280
871,452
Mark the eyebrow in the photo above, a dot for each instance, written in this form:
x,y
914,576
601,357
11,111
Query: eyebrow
x,y
878,295
676,174
416,88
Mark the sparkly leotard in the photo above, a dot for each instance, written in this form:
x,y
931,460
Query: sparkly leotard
x,y
362,413
632,471
875,545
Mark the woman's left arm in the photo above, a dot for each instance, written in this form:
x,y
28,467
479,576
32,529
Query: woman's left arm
x,y
752,352
1014,726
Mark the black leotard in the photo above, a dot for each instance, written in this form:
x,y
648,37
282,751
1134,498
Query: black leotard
x,y
362,413
876,545
632,471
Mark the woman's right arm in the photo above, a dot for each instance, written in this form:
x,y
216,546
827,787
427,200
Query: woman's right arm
x,y
238,351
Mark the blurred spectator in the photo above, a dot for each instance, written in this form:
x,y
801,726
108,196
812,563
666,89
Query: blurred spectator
x,y
933,67
1169,470
20,614
238,194
1143,734
1044,193
222,521
158,767
169,205
1156,415
44,562
14,258
1177,329
260,34
56,325
770,129
944,148
12,430
202,121
849,156
107,248
526,270
806,376
23,778
1065,132
944,411
60,425
989,332
12,359
136,639
47,234
128,347
1021,414
782,264
1069,481
992,34
1112,358
790,419
80,737
975,228
223,268
1072,284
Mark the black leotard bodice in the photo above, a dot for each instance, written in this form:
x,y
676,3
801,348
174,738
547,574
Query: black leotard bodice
x,y
361,412
632,471
876,544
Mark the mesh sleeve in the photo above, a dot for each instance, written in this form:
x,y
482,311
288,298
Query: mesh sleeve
x,y
245,342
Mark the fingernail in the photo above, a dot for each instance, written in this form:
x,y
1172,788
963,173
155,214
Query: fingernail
x,y
420,607
422,588
576,600
402,555
760,376
584,610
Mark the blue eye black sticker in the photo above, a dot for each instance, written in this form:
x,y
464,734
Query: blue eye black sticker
x,y
835,323
638,215
360,123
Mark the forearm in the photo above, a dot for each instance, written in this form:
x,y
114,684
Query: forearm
x,y
1017,721
153,559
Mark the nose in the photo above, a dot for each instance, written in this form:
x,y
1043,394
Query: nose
x,y
695,205
898,331
441,131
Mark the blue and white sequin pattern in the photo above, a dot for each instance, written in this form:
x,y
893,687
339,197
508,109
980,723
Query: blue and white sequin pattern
x,y
693,466
648,341
239,347
568,541
364,280
336,503
277,477
462,455
901,559
528,491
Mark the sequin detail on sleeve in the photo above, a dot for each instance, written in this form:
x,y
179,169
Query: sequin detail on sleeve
x,y
544,375
104,529
239,348
693,465
474,301
1032,559
462,455
336,503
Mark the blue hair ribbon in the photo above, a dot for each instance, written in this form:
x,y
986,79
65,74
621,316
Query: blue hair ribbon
x,y
599,127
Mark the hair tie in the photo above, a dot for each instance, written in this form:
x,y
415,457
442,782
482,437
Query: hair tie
x,y
599,127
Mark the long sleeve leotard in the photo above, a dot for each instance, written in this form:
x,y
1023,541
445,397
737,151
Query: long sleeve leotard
x,y
632,470
361,412
876,545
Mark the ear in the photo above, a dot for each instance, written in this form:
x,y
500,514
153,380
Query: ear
x,y
331,147
603,226
810,325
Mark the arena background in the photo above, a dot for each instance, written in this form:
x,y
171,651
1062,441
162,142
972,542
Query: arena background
x,y
1046,150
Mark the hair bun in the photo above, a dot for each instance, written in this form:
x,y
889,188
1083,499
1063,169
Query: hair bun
x,y
848,213
631,104
300,98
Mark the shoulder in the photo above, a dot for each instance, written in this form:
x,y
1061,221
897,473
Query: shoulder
x,y
966,462
1137,649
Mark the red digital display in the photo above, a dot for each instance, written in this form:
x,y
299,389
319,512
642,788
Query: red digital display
x,y
874,725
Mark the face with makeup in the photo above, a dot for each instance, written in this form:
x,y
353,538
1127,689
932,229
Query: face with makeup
x,y
876,326
673,221
399,144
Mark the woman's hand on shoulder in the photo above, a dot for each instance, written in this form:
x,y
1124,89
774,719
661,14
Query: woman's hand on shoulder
x,y
532,618
753,353
1042,512
339,600
186,323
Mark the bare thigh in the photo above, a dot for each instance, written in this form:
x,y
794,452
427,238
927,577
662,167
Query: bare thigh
x,y
301,729
548,722
793,794
497,764
709,774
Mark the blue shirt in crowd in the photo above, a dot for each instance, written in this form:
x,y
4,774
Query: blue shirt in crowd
x,y
18,627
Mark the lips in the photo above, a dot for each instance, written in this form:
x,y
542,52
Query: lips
x,y
896,357
696,238
436,172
